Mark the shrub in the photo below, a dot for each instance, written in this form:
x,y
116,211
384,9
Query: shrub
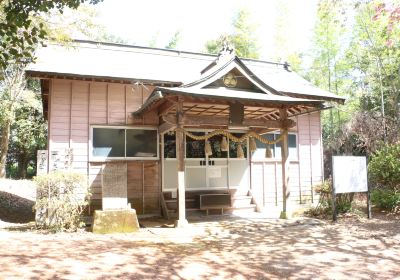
x,y
384,168
386,199
61,199
324,207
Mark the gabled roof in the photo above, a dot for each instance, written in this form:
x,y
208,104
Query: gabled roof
x,y
218,70
105,61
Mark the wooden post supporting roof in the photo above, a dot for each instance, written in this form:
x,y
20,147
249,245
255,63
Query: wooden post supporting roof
x,y
180,149
285,167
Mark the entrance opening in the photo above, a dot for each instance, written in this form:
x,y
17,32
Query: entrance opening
x,y
223,169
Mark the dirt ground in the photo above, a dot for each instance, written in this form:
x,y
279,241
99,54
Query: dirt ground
x,y
211,248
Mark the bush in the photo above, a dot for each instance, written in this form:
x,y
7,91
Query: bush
x,y
324,207
384,168
386,199
61,199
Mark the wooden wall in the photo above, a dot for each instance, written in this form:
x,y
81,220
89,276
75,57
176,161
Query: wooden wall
x,y
304,172
74,106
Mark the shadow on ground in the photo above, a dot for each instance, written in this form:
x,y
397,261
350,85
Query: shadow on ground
x,y
15,209
224,248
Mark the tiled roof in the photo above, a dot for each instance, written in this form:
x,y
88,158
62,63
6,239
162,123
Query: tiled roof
x,y
131,63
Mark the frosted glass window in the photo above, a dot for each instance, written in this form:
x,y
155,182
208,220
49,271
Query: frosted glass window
x,y
292,143
276,149
141,143
261,147
121,142
108,142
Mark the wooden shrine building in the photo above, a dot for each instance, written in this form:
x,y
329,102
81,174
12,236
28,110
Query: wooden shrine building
x,y
183,131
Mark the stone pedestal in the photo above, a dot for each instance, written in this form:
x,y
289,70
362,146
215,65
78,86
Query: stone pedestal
x,y
115,221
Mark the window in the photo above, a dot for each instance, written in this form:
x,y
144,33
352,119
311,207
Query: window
x,y
195,148
108,142
169,145
276,148
124,143
233,146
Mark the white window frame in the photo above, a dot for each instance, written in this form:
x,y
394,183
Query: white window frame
x,y
103,159
292,158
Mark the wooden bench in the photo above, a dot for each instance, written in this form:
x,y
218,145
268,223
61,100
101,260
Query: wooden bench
x,y
215,201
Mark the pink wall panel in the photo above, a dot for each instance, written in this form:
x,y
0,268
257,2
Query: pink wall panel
x,y
304,173
75,105
116,104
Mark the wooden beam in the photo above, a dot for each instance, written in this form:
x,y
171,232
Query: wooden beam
x,y
224,121
180,150
285,166
165,127
165,107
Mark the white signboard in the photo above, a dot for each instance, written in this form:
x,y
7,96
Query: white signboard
x,y
349,174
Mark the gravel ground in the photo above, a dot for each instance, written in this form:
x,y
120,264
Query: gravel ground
x,y
211,248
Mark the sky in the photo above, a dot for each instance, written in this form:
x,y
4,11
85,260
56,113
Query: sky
x,y
140,22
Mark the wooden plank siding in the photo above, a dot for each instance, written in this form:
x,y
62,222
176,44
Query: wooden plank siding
x,y
304,172
75,106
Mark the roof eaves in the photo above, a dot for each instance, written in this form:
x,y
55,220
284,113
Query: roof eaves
x,y
338,99
289,100
41,74
155,96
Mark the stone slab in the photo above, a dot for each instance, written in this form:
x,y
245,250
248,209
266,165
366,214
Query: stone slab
x,y
115,221
114,185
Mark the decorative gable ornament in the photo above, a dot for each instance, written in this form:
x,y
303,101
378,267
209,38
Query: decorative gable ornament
x,y
226,53
230,80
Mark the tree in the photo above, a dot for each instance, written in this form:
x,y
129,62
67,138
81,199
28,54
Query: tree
x,y
174,40
242,37
11,89
359,58
328,68
20,33
28,132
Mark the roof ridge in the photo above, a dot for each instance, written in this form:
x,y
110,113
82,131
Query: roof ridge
x,y
169,50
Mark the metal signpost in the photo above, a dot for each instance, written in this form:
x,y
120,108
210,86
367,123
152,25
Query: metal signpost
x,y
349,176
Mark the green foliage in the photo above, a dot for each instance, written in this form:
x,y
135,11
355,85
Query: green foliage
x,y
28,133
20,33
386,199
242,38
356,54
174,40
61,199
384,167
324,207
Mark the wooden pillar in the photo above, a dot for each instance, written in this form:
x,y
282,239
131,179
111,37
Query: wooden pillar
x,y
180,150
285,167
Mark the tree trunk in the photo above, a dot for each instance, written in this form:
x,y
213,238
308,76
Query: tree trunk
x,y
23,166
5,137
